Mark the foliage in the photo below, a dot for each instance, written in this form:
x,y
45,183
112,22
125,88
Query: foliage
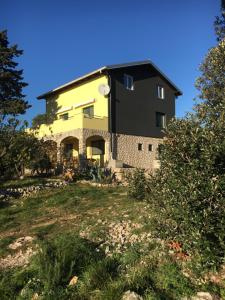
x,y
220,23
102,175
44,157
137,184
16,145
188,193
38,120
62,258
11,84
91,172
17,148
144,267
98,276
47,118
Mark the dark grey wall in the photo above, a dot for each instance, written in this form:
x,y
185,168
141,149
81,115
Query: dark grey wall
x,y
133,112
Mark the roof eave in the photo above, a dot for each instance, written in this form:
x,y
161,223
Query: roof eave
x,y
111,67
43,96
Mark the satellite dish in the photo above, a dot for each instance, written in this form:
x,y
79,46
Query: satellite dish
x,y
104,89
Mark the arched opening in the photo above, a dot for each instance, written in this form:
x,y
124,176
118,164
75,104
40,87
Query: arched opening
x,y
70,151
96,150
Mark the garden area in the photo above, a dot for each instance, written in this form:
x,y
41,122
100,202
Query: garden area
x,y
85,242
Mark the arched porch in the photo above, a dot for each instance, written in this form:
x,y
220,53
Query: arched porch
x,y
96,149
69,151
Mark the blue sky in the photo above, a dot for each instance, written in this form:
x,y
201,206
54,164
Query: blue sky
x,y
65,39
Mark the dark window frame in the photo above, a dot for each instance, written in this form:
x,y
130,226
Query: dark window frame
x,y
150,147
160,119
64,116
140,147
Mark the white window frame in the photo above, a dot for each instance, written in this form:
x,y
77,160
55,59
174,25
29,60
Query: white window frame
x,y
128,82
161,92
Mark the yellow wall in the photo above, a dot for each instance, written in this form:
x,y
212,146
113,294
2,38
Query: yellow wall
x,y
77,95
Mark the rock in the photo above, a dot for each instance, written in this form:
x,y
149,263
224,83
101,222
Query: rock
x,y
131,296
20,241
73,280
201,296
35,296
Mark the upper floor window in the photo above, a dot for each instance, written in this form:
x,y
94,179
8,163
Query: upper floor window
x,y
64,116
89,111
160,120
128,82
161,92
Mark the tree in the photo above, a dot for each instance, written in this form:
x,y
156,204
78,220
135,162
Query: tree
x,y
188,192
12,100
18,148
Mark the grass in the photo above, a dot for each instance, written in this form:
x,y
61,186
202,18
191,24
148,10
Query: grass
x,y
18,183
69,224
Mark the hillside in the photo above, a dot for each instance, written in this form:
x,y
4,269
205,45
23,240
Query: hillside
x,y
97,237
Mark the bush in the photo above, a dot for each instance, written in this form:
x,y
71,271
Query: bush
x,y
56,263
102,175
137,184
188,193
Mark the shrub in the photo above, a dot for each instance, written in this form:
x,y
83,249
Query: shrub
x,y
102,175
137,184
188,193
60,259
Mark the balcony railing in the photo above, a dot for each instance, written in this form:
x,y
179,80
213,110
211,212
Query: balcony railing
x,y
74,122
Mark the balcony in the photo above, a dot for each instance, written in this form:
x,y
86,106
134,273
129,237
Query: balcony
x,y
74,122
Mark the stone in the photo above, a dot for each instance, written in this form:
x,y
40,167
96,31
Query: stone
x,y
131,296
201,296
73,281
35,296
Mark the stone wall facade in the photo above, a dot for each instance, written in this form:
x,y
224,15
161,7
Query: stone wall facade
x,y
126,150
124,147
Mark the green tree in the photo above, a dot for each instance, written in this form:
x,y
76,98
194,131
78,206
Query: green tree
x,y
12,100
18,148
188,192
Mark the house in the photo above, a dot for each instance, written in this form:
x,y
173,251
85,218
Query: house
x,y
115,114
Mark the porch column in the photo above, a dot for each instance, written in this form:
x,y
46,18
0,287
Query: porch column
x,y
59,152
107,151
82,151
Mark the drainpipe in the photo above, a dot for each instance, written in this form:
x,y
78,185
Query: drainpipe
x,y
110,115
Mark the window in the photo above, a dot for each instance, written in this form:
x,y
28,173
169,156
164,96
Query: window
x,y
98,147
160,120
160,92
89,111
140,146
128,82
150,148
64,116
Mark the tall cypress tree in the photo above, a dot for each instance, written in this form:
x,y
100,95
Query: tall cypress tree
x,y
12,100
